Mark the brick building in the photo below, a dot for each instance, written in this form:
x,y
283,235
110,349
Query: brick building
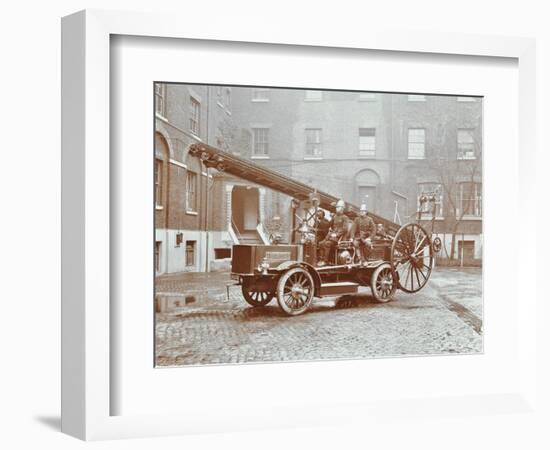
x,y
185,234
383,149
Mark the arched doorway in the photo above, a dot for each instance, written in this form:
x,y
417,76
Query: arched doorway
x,y
366,189
245,201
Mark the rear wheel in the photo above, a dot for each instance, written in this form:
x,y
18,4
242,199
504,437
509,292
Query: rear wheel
x,y
254,297
295,291
412,257
383,283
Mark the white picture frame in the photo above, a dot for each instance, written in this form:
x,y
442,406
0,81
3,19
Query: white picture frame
x,y
86,286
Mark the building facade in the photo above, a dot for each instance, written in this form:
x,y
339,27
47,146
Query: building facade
x,y
185,232
387,150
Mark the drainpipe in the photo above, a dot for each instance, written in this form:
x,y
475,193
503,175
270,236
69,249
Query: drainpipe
x,y
167,212
206,224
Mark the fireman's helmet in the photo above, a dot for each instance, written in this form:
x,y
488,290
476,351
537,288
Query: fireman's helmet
x,y
340,204
363,207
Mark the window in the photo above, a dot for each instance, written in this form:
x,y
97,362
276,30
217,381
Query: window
x,y
227,99
191,192
194,119
429,191
260,95
260,145
160,101
416,98
466,99
158,182
469,200
190,253
157,255
367,142
367,97
313,142
417,143
314,96
465,144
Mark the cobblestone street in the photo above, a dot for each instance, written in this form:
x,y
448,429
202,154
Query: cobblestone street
x,y
208,328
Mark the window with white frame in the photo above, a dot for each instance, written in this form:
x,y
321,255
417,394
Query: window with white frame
x,y
416,98
191,191
367,96
417,143
430,199
367,142
314,142
466,99
260,142
158,182
465,144
314,96
260,94
469,200
195,116
160,99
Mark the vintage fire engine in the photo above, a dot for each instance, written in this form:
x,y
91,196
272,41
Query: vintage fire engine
x,y
401,257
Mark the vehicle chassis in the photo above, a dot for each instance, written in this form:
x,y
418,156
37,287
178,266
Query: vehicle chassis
x,y
401,262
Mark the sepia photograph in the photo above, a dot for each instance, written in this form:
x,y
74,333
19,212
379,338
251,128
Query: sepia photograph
x,y
306,225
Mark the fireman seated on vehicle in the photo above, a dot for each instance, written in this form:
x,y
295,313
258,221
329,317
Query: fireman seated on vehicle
x,y
322,225
338,230
363,231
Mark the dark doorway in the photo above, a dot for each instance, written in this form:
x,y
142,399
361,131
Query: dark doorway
x,y
245,207
466,251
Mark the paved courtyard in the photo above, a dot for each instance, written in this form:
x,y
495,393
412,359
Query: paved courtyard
x,y
209,328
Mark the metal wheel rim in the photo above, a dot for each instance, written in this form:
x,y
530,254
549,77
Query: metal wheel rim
x,y
412,257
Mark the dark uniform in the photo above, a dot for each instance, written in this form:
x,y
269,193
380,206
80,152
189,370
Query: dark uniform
x,y
322,226
338,229
363,228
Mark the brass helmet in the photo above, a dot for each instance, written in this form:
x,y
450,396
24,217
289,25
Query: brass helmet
x,y
340,204
363,207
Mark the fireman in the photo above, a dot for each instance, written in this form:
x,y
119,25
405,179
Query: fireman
x,y
338,229
322,225
363,232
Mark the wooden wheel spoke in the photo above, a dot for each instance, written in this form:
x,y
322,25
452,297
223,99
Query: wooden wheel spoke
x,y
408,273
417,277
422,273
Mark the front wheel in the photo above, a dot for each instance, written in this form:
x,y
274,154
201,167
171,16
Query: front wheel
x,y
295,291
256,298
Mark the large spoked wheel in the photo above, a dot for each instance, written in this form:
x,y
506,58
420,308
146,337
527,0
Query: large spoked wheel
x,y
383,283
256,298
295,291
412,257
